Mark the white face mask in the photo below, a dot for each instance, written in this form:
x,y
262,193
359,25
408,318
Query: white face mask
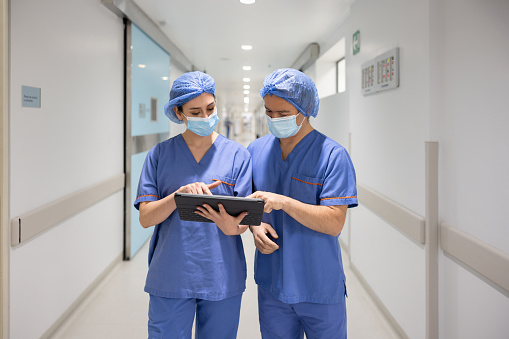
x,y
202,126
284,127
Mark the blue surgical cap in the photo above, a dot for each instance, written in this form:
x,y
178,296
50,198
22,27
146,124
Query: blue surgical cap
x,y
187,87
295,87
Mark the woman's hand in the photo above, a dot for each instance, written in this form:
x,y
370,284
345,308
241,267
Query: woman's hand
x,y
198,188
226,223
263,243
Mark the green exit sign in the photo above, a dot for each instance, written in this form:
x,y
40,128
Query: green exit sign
x,y
356,42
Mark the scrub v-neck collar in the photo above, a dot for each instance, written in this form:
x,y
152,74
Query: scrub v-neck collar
x,y
207,157
284,164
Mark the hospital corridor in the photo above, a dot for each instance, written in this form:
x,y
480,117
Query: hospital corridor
x,y
364,140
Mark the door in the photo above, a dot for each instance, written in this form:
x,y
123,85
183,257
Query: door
x,y
147,90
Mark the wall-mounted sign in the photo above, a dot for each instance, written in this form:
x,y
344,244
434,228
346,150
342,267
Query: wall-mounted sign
x,y
30,97
381,73
356,42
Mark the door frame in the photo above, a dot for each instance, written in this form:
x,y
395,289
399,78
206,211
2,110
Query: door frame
x,y
127,136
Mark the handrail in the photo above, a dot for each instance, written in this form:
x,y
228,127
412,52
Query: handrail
x,y
30,224
408,222
485,259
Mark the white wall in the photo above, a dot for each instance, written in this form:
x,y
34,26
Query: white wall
x,y
453,66
73,51
388,133
333,120
473,145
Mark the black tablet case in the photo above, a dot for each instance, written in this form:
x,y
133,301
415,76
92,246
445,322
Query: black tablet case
x,y
186,205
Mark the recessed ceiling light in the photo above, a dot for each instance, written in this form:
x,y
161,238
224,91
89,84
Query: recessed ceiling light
x,y
164,78
247,87
247,47
247,2
246,91
246,79
246,100
246,68
142,66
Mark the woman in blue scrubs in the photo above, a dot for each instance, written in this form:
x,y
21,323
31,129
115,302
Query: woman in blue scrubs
x,y
307,181
195,268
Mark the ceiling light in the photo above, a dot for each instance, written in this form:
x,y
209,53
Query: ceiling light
x,y
246,79
247,87
246,92
247,47
246,100
246,68
247,2
142,66
164,78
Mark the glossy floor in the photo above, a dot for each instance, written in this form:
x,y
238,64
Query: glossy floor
x,y
117,308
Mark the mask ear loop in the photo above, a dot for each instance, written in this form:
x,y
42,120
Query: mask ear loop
x,y
184,120
302,123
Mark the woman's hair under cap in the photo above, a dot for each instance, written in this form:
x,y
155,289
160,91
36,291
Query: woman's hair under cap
x,y
295,87
187,87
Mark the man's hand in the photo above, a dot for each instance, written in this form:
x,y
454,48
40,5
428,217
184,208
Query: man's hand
x,y
273,201
226,223
262,242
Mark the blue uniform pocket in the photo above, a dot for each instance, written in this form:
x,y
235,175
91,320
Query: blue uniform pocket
x,y
227,186
306,189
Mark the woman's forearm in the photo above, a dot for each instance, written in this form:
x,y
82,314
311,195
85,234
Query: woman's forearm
x,y
155,212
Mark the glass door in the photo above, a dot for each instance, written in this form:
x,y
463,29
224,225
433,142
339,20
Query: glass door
x,y
147,90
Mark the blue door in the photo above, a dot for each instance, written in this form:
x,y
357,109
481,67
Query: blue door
x,y
147,90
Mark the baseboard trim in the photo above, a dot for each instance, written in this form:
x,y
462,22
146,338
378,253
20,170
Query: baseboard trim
x,y
56,325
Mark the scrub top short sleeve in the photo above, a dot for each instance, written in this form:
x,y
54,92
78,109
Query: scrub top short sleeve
x,y
147,186
194,259
339,184
307,267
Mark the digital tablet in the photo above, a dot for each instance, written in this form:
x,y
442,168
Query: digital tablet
x,y
186,206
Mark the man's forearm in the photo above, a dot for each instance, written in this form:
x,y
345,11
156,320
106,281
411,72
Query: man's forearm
x,y
324,219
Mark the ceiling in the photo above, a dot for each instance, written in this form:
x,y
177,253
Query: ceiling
x,y
210,34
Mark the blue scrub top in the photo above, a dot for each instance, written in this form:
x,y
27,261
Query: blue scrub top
x,y
307,267
194,259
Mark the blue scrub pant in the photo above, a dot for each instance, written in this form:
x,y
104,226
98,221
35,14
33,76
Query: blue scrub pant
x,y
290,321
173,318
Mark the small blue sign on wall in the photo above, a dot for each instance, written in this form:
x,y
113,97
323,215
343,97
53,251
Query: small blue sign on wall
x,y
30,96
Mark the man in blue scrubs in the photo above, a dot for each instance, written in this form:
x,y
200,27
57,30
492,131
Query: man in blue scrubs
x,y
307,181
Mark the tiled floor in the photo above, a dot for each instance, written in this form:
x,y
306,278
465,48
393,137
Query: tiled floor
x,y
118,307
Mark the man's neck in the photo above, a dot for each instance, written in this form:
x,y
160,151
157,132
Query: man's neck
x,y
288,144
